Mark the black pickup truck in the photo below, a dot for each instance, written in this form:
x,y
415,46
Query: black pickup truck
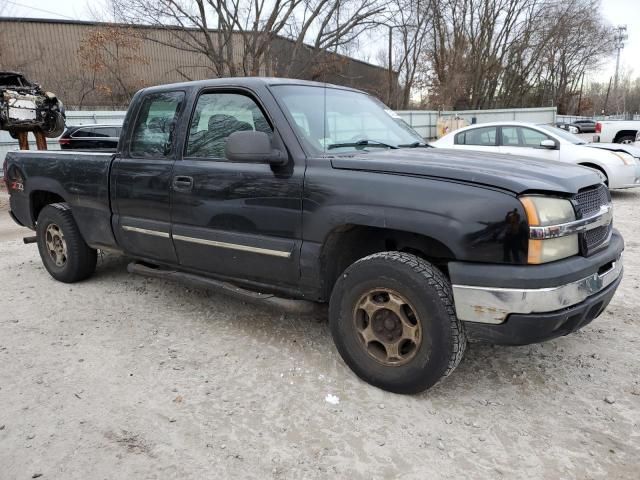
x,y
307,192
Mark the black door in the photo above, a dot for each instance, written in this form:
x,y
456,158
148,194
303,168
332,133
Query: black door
x,y
234,219
142,180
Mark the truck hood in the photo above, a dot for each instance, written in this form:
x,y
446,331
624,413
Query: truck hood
x,y
508,172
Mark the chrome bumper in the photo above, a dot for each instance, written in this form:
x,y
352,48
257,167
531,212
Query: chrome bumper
x,y
493,305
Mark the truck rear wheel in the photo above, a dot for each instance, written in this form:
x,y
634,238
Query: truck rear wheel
x,y
393,322
626,139
64,253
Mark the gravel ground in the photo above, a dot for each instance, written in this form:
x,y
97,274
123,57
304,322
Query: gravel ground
x,y
127,377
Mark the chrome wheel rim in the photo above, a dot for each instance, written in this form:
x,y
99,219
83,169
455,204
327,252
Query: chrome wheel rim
x,y
56,244
387,326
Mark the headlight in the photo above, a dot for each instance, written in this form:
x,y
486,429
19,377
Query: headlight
x,y
626,158
545,211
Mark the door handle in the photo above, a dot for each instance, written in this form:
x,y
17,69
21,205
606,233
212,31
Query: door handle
x,y
182,183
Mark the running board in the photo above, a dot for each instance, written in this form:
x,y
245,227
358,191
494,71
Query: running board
x,y
266,299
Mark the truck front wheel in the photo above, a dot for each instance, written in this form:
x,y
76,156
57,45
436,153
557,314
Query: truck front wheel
x,y
64,253
393,322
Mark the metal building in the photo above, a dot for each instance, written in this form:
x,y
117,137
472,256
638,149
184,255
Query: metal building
x,y
93,65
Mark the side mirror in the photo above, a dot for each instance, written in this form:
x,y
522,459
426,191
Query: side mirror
x,y
253,147
548,144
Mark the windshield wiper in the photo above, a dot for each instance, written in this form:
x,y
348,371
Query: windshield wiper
x,y
362,143
416,145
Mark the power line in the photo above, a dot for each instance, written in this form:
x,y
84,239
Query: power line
x,y
39,10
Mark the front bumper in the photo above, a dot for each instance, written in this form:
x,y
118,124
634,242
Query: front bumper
x,y
552,293
624,176
539,327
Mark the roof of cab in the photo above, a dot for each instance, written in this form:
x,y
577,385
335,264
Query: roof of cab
x,y
246,82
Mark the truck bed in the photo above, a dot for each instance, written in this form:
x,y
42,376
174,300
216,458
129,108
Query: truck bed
x,y
79,178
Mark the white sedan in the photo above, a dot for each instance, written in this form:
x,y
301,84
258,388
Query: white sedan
x,y
620,164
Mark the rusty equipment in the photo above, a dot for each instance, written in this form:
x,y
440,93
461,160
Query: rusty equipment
x,y
23,140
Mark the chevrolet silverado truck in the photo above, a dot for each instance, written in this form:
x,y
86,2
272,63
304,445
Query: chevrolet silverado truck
x,y
290,192
616,131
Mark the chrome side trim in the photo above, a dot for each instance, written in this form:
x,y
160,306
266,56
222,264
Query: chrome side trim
x,y
145,231
234,246
603,217
493,305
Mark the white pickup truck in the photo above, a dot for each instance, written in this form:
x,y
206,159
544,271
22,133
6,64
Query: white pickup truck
x,y
616,131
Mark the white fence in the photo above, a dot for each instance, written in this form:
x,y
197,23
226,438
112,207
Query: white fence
x,y
573,118
425,121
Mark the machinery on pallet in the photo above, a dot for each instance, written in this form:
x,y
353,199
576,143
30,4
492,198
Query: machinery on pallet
x,y
26,107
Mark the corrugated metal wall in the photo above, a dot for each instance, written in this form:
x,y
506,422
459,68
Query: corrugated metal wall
x,y
48,51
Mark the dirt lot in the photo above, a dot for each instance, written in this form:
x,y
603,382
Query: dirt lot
x,y
126,377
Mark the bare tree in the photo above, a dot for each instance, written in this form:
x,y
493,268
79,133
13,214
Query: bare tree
x,y
578,42
408,23
241,37
111,57
491,53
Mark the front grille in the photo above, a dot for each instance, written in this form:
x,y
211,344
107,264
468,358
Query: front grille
x,y
590,200
596,237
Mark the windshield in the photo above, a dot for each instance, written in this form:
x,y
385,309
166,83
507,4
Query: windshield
x,y
331,119
569,137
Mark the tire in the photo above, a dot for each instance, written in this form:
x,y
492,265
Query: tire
x,y
387,279
54,126
63,251
627,139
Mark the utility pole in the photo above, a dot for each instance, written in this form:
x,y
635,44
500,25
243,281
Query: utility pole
x,y
580,97
619,37
606,100
390,93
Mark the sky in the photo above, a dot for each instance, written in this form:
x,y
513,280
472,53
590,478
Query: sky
x,y
617,12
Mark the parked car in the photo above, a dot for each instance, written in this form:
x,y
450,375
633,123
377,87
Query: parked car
x,y
617,131
619,168
25,106
279,186
584,126
566,126
637,144
91,137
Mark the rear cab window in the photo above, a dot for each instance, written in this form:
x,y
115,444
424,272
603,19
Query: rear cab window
x,y
153,131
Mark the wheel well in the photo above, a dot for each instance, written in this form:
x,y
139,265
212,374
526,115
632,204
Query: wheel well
x,y
625,133
40,199
348,243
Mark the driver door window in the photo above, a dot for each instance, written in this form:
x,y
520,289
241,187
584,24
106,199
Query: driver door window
x,y
218,115
532,138
526,142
